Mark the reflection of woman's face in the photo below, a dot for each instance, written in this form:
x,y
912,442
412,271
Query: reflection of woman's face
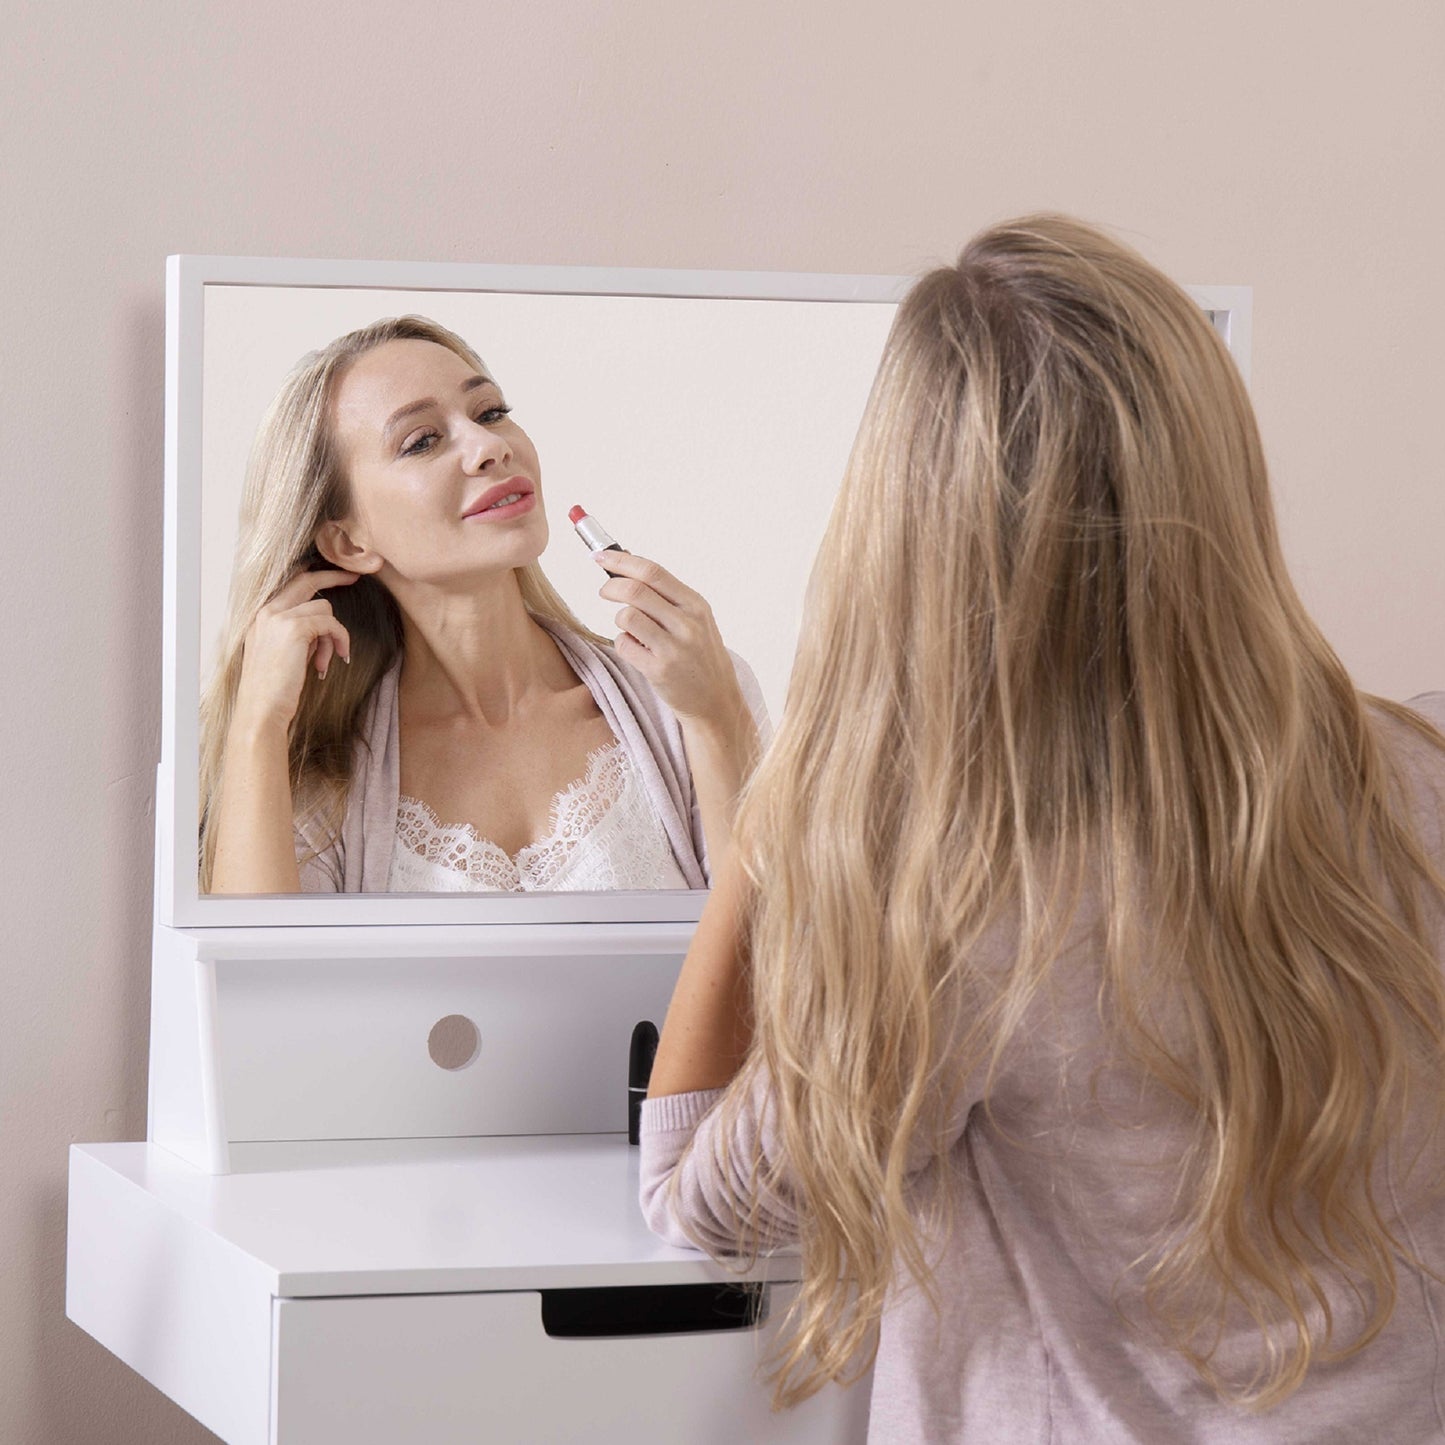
x,y
429,451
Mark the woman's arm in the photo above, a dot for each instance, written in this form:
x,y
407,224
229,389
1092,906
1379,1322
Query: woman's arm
x,y
255,846
252,815
697,1183
709,1026
721,755
713,1170
669,635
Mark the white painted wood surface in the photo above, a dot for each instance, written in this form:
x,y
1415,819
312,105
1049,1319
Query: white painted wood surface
x,y
366,1291
176,1301
321,1033
458,1369
419,1216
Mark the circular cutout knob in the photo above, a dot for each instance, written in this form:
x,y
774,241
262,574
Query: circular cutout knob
x,y
454,1042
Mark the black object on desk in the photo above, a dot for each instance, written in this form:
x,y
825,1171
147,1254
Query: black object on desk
x,y
639,1071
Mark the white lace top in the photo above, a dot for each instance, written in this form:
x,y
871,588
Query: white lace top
x,y
604,834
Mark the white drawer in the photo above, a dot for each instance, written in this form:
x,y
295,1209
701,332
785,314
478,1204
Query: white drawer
x,y
471,1369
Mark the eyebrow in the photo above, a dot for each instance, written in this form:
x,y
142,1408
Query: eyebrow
x,y
472,383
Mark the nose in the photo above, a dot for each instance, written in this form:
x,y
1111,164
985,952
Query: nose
x,y
484,448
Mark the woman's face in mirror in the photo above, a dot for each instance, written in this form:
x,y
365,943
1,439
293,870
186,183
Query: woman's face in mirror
x,y
443,485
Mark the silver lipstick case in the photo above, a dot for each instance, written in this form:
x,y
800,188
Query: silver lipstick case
x,y
596,536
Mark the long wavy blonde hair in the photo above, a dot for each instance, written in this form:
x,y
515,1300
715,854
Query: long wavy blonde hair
x,y
294,483
1050,622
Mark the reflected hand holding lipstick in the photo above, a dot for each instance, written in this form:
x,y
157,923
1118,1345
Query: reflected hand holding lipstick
x,y
667,632
669,635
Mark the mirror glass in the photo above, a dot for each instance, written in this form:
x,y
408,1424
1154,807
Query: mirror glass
x,y
708,433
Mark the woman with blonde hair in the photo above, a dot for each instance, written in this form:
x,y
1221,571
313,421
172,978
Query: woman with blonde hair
x,y
1073,995
476,736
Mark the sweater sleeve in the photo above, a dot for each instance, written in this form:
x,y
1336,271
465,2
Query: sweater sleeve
x,y
698,1187
698,1184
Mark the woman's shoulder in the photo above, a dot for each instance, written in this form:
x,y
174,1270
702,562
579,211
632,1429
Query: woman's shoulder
x,y
1415,726
1431,707
1413,732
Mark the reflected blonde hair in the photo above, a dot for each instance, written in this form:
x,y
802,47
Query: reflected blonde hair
x,y
295,483
1051,645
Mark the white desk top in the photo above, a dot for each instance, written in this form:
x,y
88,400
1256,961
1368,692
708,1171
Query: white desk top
x,y
424,1216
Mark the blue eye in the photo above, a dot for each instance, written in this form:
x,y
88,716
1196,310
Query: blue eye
x,y
497,412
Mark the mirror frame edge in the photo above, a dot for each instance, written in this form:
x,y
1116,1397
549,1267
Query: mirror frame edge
x,y
177,898
178,901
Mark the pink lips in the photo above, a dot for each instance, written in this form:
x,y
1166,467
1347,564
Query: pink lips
x,y
486,504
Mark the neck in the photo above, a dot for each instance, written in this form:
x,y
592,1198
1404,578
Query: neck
x,y
475,653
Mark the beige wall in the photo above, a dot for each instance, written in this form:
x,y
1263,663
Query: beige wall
x,y
1293,147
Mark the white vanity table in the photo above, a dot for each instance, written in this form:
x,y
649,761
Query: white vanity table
x,y
330,1237
333,1233
363,1293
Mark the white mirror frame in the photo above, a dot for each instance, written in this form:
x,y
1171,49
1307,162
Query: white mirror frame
x,y
178,901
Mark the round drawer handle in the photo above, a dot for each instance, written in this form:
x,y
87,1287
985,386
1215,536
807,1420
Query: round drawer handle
x,y
454,1042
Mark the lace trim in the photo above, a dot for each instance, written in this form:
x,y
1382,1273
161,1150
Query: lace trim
x,y
578,812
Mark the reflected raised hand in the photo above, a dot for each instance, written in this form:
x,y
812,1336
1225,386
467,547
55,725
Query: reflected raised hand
x,y
669,635
294,630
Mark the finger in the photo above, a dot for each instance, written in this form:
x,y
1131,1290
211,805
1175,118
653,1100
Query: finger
x,y
305,585
321,659
317,627
643,629
641,569
341,640
630,650
644,599
319,607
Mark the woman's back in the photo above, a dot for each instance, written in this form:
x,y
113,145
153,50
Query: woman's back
x,y
1059,1179
1063,1180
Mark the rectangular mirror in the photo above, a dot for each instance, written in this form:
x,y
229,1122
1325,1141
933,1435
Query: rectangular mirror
x,y
704,419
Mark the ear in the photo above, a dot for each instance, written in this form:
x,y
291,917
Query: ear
x,y
335,542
